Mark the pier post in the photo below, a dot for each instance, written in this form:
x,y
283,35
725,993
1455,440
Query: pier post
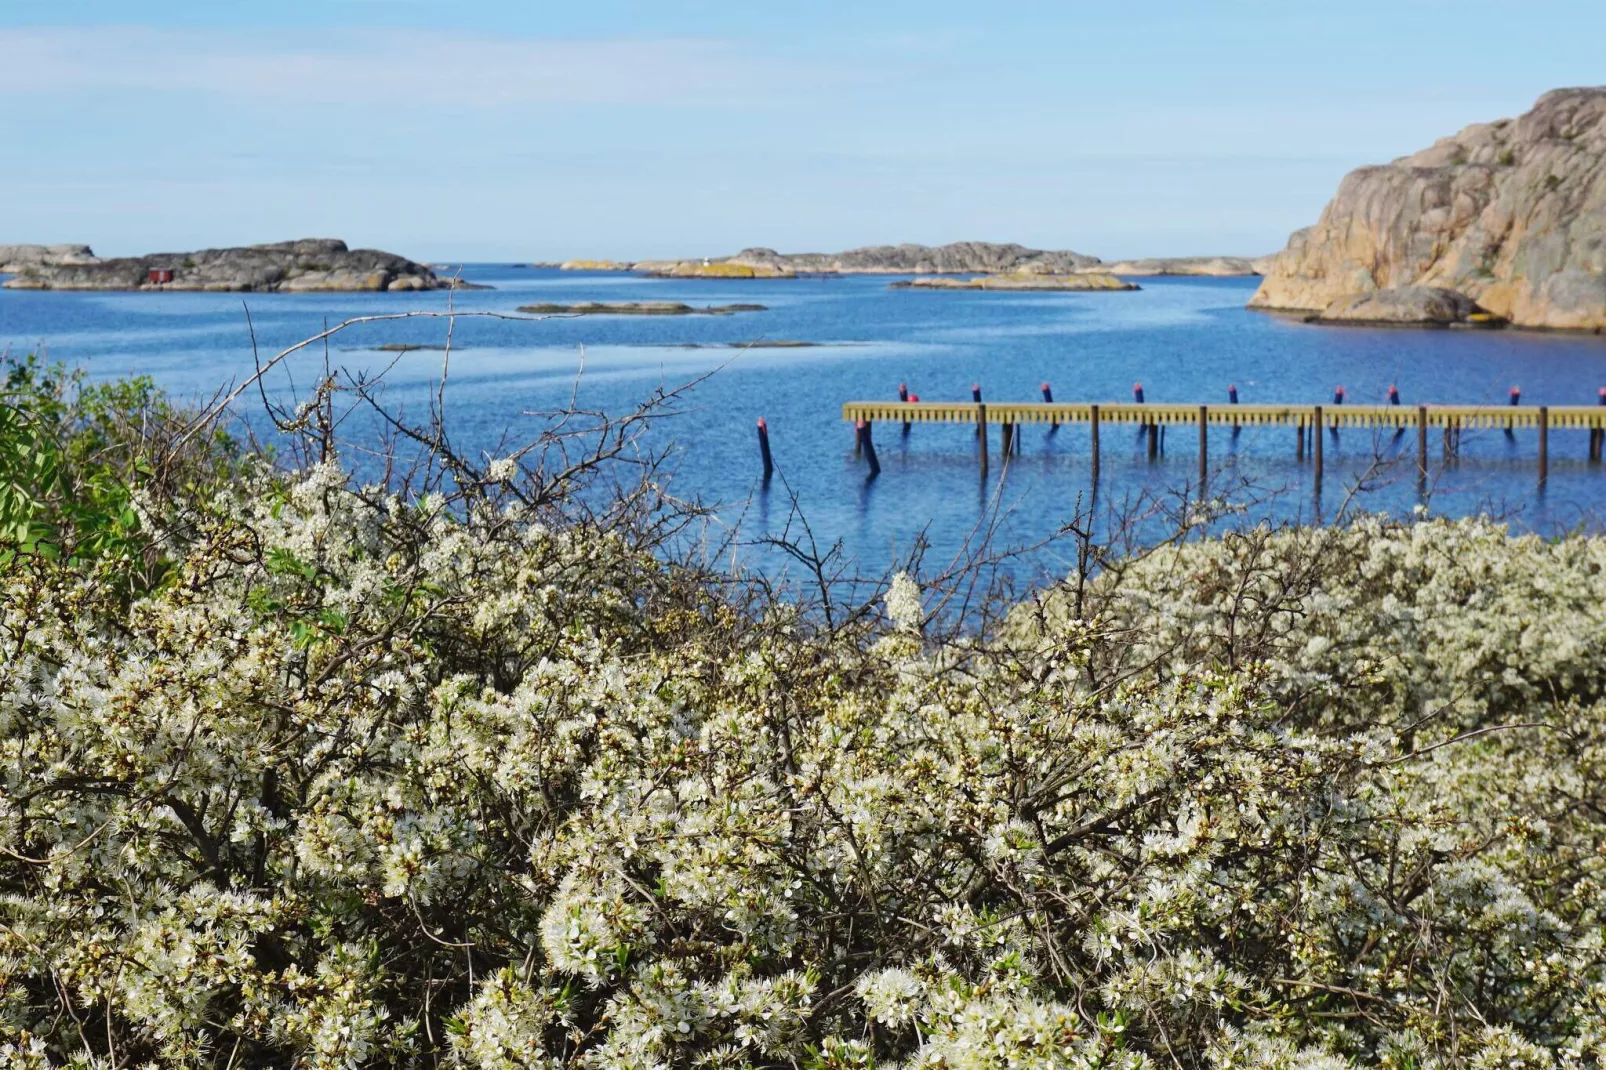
x,y
1544,444
1154,440
1299,438
1204,447
1422,441
975,396
1007,435
1093,427
1232,399
1137,399
903,395
858,439
981,432
869,451
1316,447
764,449
1597,436
1048,398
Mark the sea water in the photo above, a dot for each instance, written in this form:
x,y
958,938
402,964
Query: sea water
x,y
1184,339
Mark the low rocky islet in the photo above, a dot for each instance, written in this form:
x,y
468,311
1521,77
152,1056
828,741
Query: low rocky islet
x,y
310,265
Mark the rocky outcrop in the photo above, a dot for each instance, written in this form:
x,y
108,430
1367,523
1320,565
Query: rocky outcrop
x,y
310,265
15,258
1509,215
1213,266
1417,306
1024,280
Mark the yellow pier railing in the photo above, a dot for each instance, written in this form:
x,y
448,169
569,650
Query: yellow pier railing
x,y
1123,412
1010,415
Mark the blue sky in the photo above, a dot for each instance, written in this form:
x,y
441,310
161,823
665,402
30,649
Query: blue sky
x,y
541,130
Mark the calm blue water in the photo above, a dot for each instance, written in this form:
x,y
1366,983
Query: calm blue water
x,y
1184,339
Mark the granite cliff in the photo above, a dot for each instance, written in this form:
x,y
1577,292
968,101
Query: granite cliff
x,y
313,264
1505,218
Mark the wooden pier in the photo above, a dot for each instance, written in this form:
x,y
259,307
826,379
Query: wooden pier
x,y
1009,417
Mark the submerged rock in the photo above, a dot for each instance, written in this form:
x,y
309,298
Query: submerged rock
x,y
636,308
310,265
1509,215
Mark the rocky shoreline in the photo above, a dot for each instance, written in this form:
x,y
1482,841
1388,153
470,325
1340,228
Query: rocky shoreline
x,y
1501,223
313,265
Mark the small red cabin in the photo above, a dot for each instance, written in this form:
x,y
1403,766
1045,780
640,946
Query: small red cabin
x,y
159,276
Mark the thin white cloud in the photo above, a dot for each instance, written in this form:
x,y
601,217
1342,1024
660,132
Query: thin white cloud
x,y
404,69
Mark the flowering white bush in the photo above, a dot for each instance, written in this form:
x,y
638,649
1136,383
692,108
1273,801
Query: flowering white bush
x,y
372,782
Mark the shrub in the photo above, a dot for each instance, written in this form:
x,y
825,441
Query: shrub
x,y
78,461
381,779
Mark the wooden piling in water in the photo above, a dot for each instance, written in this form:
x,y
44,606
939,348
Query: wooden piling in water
x,y
764,448
1422,441
903,395
981,432
1299,440
1048,399
1597,436
1544,444
1316,446
1093,427
1154,440
1006,444
869,451
1204,447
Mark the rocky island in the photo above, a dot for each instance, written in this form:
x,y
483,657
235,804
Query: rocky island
x,y
636,308
1221,267
1019,280
309,265
1505,221
957,258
